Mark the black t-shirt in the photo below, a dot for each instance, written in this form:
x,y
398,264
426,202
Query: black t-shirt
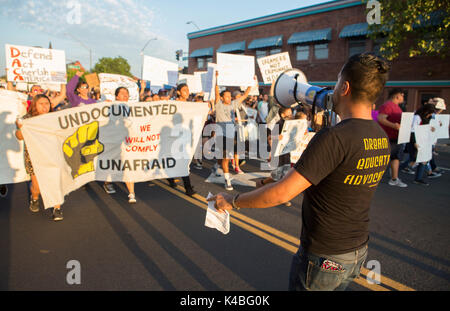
x,y
344,164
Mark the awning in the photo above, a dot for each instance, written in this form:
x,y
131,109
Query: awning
x,y
310,36
266,42
202,52
355,30
232,47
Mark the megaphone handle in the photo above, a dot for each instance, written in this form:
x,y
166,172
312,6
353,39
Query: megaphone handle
x,y
295,89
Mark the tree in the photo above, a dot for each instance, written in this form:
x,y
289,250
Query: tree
x,y
424,23
118,65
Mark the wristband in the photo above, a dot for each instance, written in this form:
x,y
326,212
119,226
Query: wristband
x,y
233,203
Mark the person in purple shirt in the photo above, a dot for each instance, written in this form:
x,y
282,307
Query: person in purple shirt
x,y
78,91
375,113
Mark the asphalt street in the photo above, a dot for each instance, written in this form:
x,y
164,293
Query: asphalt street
x,y
161,243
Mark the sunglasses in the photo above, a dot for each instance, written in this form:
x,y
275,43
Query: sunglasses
x,y
84,87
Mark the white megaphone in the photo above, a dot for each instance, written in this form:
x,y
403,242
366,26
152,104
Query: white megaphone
x,y
292,88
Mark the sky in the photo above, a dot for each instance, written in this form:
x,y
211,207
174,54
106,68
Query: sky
x,y
111,28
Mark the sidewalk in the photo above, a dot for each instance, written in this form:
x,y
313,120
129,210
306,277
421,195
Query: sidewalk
x,y
443,145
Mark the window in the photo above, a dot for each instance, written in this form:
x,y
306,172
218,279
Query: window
x,y
200,63
302,52
356,47
260,53
209,60
321,51
275,51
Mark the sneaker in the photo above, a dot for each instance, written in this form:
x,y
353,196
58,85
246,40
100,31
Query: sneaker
x,y
215,170
172,183
397,183
421,182
242,162
34,205
408,170
190,191
434,175
198,165
438,170
109,188
288,204
131,198
57,214
228,185
3,191
238,170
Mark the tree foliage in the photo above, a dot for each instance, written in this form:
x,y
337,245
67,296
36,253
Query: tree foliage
x,y
118,65
425,23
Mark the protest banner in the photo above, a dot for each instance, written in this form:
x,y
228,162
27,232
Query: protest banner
x,y
235,70
254,91
112,141
51,87
159,72
297,153
35,65
424,143
292,135
110,82
12,166
273,65
404,134
92,80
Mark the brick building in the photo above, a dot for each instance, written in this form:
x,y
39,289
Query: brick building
x,y
319,40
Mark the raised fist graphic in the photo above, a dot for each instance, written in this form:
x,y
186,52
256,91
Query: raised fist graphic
x,y
81,148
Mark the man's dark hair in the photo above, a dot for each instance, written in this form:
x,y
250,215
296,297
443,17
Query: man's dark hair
x,y
180,86
394,92
120,88
224,91
367,74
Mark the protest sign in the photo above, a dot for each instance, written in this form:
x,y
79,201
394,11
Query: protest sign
x,y
235,70
424,142
193,82
112,141
404,134
442,121
35,65
12,166
159,72
254,91
292,135
92,80
110,82
210,82
273,65
297,153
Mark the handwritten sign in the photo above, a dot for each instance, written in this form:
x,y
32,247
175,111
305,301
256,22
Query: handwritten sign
x,y
110,82
35,65
273,65
292,135
92,80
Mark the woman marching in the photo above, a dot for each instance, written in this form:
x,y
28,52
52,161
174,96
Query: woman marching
x,y
39,105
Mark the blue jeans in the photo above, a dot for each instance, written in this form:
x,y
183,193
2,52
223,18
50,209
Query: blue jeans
x,y
420,171
308,275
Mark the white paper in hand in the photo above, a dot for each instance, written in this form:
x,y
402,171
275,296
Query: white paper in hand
x,y
216,220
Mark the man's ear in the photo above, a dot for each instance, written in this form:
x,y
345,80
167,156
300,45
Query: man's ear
x,y
345,88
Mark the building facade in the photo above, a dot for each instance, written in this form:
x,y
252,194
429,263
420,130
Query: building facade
x,y
319,40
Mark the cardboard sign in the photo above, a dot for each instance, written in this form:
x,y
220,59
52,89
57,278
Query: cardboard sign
x,y
92,80
424,142
35,65
273,65
159,72
235,70
292,135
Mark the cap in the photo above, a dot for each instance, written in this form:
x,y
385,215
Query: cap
x,y
439,103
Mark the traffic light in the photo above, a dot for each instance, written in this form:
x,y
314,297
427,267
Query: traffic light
x,y
178,54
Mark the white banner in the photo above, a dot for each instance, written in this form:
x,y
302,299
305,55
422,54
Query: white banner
x,y
235,70
193,82
254,91
210,82
442,127
112,142
159,72
12,168
292,135
36,65
273,65
110,82
404,134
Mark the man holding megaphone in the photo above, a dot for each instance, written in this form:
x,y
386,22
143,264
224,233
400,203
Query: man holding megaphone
x,y
338,172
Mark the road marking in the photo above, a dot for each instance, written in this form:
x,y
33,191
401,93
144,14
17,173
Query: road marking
x,y
275,235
